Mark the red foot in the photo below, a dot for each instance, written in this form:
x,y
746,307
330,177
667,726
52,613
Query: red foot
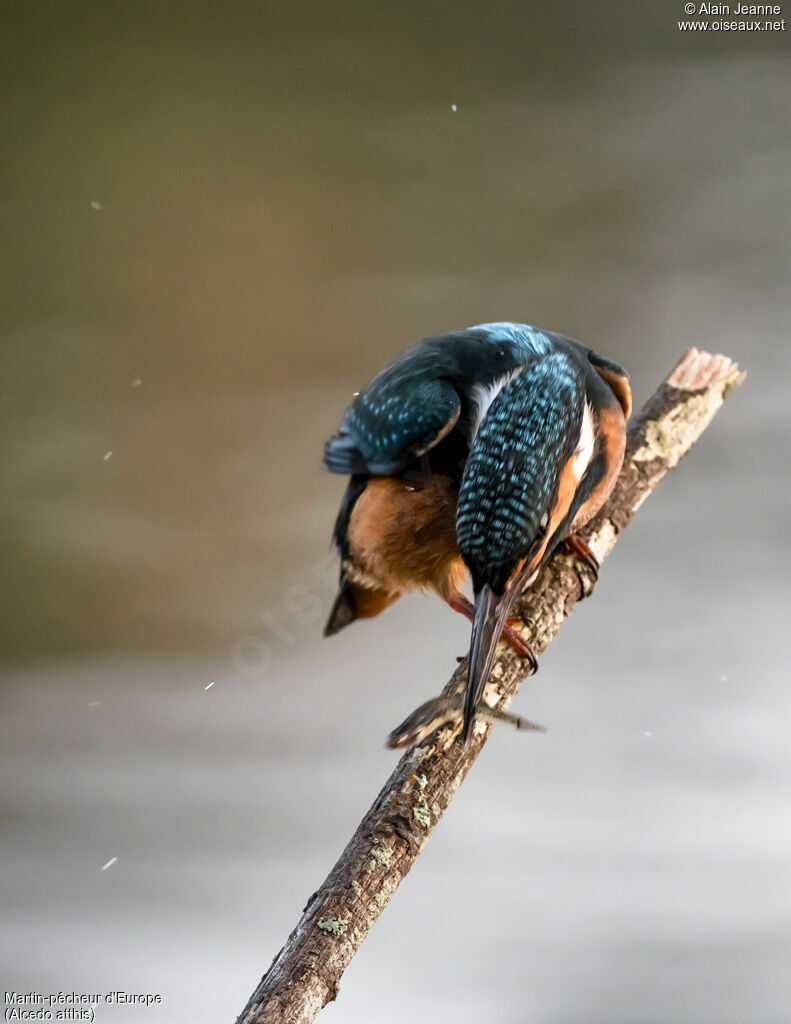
x,y
577,547
521,646
517,643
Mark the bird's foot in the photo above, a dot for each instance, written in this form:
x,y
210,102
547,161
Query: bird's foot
x,y
518,643
449,710
515,641
577,548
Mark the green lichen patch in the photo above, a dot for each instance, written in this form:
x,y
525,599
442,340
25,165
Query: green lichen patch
x,y
381,855
356,886
658,440
384,895
421,813
334,925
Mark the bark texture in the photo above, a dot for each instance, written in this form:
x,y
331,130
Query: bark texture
x,y
305,974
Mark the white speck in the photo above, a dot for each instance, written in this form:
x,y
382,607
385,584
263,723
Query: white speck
x,y
106,456
109,863
93,703
136,383
95,205
355,394
209,686
453,107
647,733
723,679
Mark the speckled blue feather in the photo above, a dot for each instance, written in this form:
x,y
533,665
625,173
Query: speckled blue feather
x,y
527,338
512,474
409,403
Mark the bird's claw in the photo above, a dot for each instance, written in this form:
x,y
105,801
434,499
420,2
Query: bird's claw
x,y
515,641
521,646
578,549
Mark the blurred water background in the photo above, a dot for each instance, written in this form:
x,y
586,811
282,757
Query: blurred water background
x,y
218,222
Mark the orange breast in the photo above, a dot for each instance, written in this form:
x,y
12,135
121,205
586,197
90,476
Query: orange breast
x,y
402,535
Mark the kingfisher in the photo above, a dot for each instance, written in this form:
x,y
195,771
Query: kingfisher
x,y
473,453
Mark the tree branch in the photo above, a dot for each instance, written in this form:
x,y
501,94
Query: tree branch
x,y
305,974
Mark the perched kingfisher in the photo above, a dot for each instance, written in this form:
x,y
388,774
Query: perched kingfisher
x,y
475,452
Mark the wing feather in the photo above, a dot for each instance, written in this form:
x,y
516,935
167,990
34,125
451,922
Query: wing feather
x,y
418,398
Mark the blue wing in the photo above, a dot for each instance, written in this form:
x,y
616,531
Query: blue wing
x,y
419,397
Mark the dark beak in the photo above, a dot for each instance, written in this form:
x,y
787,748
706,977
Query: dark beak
x,y
491,611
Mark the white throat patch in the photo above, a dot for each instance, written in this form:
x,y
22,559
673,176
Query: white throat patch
x,y
584,450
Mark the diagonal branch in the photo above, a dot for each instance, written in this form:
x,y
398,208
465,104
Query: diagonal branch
x,y
305,974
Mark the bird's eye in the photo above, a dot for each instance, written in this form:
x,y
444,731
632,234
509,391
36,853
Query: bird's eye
x,y
543,524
